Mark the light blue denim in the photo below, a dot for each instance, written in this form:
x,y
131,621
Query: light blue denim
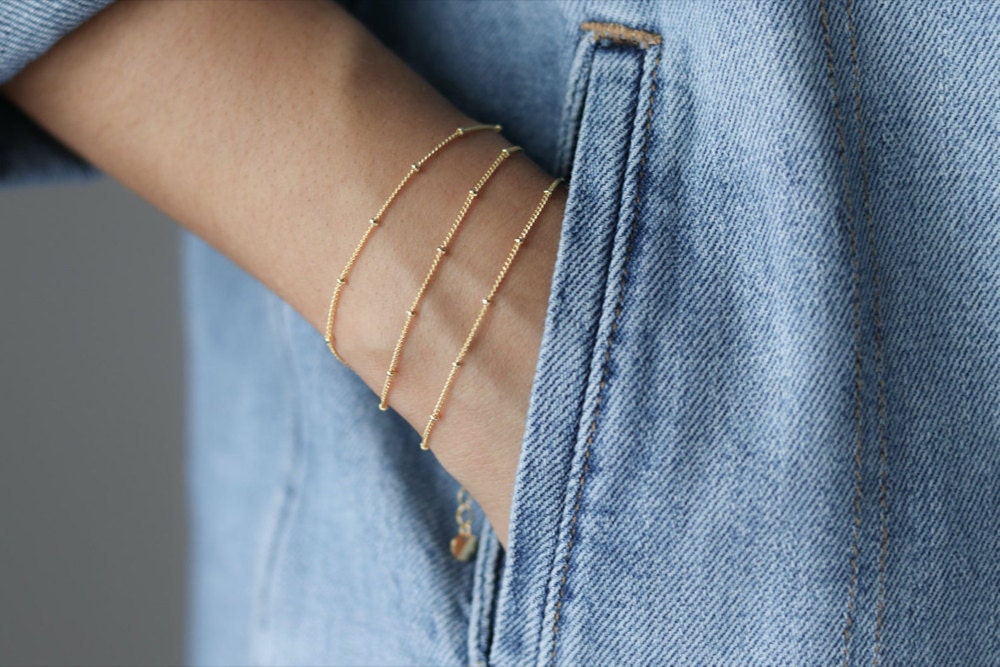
x,y
764,428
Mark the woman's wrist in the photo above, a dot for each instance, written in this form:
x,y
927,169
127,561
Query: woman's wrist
x,y
478,437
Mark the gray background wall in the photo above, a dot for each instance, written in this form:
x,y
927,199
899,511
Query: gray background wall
x,y
92,533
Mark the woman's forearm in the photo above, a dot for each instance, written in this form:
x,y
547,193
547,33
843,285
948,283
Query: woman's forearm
x,y
273,131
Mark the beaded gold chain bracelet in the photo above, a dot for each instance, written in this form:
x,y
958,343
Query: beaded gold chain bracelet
x,y
374,221
463,545
442,249
460,359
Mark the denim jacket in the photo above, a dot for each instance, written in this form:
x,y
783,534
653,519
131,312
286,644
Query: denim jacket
x,y
764,427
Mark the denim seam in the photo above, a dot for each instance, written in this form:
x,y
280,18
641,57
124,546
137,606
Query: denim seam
x,y
573,111
877,312
641,39
855,550
572,114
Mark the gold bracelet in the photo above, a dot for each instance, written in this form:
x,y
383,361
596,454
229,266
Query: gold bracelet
x,y
518,242
442,249
374,221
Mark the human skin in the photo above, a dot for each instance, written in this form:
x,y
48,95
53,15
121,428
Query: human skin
x,y
274,130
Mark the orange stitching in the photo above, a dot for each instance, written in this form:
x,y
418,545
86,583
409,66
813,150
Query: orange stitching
x,y
852,586
619,302
879,378
616,32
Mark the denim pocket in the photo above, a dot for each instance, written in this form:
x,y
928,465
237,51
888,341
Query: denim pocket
x,y
607,122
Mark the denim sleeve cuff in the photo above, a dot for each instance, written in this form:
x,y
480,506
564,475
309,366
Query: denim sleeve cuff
x,y
29,28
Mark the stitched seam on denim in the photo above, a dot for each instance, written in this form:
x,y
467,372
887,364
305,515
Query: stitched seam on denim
x,y
581,93
877,311
609,342
572,114
852,586
618,33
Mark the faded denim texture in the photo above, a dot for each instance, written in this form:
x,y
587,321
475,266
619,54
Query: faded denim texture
x,y
764,427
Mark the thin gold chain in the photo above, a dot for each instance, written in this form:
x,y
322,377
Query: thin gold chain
x,y
462,512
518,242
442,250
374,222
463,545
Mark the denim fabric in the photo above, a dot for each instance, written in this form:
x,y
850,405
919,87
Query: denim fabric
x,y
28,28
764,427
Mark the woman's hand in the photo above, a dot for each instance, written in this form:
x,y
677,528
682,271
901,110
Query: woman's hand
x,y
273,131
